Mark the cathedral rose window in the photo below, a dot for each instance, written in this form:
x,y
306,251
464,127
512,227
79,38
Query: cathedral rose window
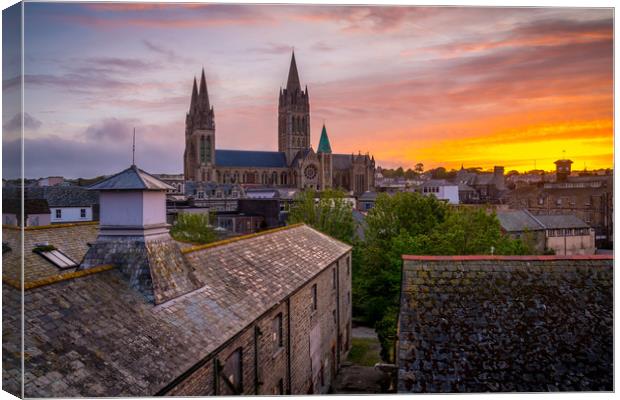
x,y
310,172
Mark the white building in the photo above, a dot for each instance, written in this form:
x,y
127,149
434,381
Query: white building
x,y
441,189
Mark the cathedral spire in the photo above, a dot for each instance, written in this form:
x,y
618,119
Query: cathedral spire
x,y
324,146
204,95
192,104
293,76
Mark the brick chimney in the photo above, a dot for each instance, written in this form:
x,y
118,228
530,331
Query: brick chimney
x,y
134,236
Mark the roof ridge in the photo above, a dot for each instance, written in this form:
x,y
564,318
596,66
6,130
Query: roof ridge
x,y
239,238
529,214
109,177
486,257
138,170
252,151
57,278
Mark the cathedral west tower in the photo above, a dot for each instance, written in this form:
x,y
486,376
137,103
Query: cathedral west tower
x,y
199,157
293,116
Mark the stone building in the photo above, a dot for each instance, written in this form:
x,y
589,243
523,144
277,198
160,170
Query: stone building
x,y
120,309
295,164
506,324
562,234
589,198
481,187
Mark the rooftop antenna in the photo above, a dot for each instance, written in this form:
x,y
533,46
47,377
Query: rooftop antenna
x,y
133,150
564,154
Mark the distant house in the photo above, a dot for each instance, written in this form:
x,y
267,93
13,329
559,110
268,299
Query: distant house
x,y
440,188
51,181
474,324
366,201
71,203
214,196
36,212
564,234
177,181
488,187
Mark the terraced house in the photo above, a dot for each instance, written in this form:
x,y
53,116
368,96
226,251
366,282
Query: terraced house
x,y
119,308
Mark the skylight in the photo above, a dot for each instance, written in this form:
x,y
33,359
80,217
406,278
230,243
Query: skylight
x,y
55,256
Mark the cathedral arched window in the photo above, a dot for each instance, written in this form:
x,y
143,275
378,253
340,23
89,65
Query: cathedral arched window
x,y
203,147
208,149
236,177
274,178
283,178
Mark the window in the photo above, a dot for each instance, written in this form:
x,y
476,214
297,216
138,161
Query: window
x,y
82,213
58,213
314,297
348,268
334,278
277,332
201,195
348,298
232,371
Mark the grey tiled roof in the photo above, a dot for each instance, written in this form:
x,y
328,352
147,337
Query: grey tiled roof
x,y
562,221
519,221
94,336
64,196
368,196
478,324
244,158
132,178
341,161
71,239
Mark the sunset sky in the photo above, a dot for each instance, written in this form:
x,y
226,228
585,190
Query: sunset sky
x,y
441,86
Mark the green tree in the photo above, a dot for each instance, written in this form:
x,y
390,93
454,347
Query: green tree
x,y
194,228
329,213
409,223
419,168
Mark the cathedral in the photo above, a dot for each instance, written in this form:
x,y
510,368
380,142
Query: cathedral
x,y
295,164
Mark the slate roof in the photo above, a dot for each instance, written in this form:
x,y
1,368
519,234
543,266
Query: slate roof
x,y
64,196
341,161
519,221
247,158
94,336
562,221
71,239
132,178
437,182
368,196
483,323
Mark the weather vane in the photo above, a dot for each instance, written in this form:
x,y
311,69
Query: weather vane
x,y
133,149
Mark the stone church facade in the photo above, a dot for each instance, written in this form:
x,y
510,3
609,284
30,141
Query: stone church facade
x,y
295,164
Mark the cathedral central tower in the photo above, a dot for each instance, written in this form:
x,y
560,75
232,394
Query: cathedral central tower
x,y
293,116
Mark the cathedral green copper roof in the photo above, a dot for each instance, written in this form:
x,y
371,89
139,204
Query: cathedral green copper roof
x,y
324,146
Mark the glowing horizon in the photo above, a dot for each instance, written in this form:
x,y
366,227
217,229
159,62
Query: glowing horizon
x,y
443,86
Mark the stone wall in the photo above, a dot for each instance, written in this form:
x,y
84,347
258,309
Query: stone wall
x,y
258,348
